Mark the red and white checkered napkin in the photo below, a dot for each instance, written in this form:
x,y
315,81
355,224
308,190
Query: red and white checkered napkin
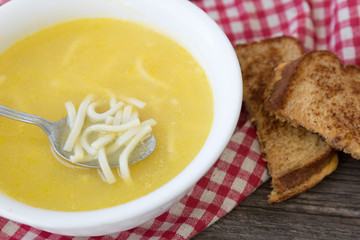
x,y
318,24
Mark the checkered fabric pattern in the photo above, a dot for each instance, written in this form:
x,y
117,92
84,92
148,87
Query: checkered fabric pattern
x,y
318,24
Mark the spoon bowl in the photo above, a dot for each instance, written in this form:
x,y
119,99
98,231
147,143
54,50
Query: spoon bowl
x,y
59,130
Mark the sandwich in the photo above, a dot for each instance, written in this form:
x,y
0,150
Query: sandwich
x,y
318,92
297,159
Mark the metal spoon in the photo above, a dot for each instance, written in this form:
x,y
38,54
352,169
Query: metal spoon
x,y
58,132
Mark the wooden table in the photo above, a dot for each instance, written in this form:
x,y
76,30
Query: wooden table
x,y
330,210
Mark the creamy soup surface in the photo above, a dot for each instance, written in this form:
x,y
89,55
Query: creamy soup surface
x,y
68,61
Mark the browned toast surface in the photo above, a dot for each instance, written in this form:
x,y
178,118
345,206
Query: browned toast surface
x,y
319,93
294,155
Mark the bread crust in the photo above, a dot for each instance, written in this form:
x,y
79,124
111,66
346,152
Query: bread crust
x,y
302,179
276,99
322,95
286,149
306,183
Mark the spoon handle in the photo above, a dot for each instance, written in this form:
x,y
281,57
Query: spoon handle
x,y
26,117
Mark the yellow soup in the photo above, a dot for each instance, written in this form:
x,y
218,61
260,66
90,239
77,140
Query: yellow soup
x,y
99,56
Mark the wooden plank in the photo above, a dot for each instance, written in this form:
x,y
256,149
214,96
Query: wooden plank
x,y
330,210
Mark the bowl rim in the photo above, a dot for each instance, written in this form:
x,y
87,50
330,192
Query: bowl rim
x,y
160,197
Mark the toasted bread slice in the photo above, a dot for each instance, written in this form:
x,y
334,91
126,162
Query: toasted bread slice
x,y
319,93
297,159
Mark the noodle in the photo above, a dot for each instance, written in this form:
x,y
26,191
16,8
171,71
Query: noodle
x,y
78,124
123,160
117,127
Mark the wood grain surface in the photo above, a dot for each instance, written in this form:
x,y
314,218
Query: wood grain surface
x,y
330,210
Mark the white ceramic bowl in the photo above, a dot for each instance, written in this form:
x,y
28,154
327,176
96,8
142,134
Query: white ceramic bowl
x,y
190,27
